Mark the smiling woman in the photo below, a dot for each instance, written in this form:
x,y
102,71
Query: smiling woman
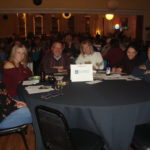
x,y
16,70
89,56
129,61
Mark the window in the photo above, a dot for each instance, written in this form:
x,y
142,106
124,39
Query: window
x,y
38,24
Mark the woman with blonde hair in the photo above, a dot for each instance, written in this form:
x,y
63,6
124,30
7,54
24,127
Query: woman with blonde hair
x,y
89,56
16,70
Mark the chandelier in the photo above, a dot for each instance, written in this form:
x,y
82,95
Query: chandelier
x,y
112,5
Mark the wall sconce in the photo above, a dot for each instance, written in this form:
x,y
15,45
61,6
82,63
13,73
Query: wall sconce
x,y
66,15
109,16
98,31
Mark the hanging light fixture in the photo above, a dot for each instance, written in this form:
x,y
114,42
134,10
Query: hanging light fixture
x,y
112,5
109,16
66,15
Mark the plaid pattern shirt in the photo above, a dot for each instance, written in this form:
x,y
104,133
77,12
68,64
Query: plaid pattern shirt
x,y
48,62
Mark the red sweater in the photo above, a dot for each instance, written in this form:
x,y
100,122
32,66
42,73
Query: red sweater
x,y
12,77
114,55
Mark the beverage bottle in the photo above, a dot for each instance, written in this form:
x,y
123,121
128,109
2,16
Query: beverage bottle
x,y
42,76
51,79
108,68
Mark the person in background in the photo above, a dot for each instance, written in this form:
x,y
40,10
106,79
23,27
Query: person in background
x,y
143,71
89,56
16,70
69,48
56,61
12,112
115,54
129,62
106,47
36,54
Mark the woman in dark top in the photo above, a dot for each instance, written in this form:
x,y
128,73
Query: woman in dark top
x,y
12,113
129,62
143,71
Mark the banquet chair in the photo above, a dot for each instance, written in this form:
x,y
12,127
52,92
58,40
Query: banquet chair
x,y
141,138
22,130
56,134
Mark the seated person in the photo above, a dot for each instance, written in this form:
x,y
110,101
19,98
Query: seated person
x,y
16,70
143,71
129,62
89,56
55,61
12,113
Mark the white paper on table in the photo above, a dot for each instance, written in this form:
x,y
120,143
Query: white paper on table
x,y
103,76
114,77
94,82
38,89
30,82
81,72
132,78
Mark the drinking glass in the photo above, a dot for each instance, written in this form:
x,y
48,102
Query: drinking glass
x,y
98,66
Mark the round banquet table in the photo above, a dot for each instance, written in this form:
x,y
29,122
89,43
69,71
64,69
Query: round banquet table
x,y
110,109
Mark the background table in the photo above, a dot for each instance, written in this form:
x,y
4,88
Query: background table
x,y
111,109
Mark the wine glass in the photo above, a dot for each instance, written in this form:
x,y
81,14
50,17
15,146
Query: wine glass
x,y
98,66
87,62
59,78
59,86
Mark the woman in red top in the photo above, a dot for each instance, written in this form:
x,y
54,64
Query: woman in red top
x,y
114,54
16,70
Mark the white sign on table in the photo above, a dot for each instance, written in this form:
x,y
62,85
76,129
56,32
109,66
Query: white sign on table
x,y
81,72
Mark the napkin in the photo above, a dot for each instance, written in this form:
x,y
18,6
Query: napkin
x,y
38,89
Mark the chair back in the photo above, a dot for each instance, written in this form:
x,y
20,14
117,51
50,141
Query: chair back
x,y
53,128
22,130
13,130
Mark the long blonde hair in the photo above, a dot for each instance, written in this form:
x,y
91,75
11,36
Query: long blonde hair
x,y
86,43
13,53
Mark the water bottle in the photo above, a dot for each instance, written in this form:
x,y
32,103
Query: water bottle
x,y
51,79
108,69
42,76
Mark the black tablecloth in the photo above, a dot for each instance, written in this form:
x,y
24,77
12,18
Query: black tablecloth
x,y
111,109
